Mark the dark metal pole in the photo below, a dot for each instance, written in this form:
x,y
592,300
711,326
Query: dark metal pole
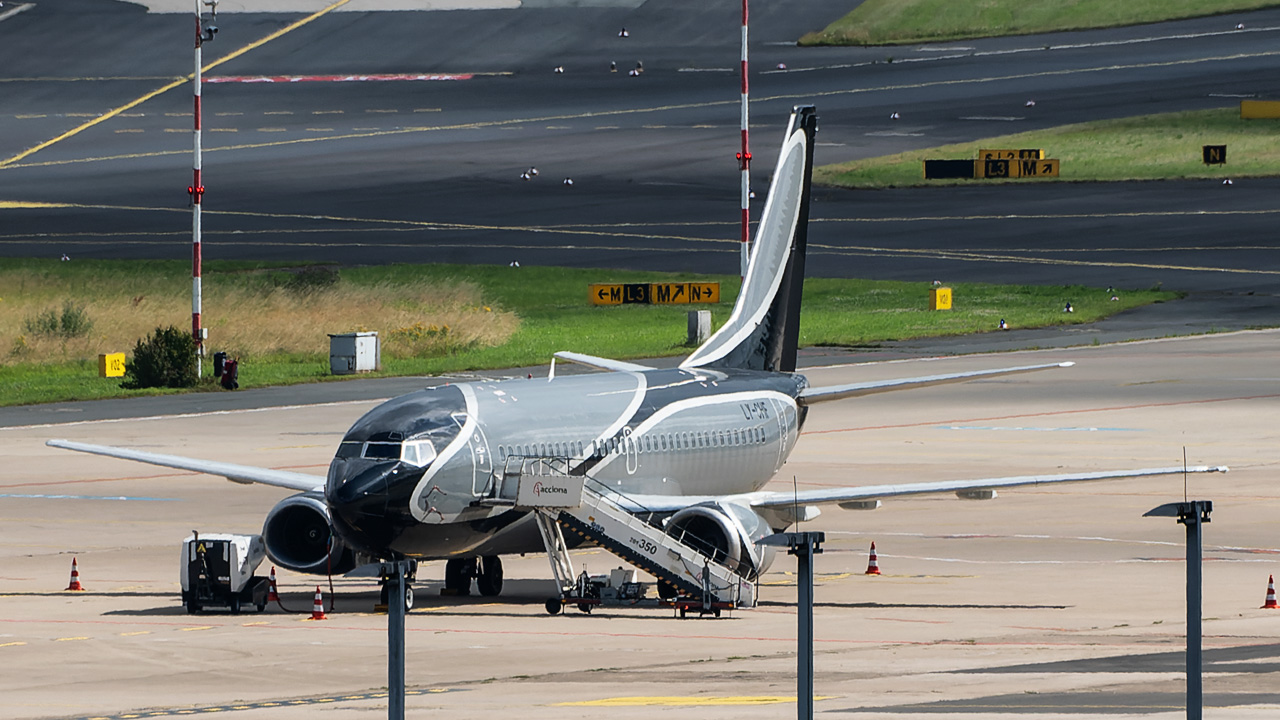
x,y
395,641
1195,667
804,545
1194,514
804,664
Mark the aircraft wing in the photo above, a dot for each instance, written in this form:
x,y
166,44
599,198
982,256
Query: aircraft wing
x,y
809,396
236,473
875,492
793,502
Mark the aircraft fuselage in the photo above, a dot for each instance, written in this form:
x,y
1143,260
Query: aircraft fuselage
x,y
409,474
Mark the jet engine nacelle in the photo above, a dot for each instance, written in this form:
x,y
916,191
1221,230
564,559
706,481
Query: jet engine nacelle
x,y
727,532
298,535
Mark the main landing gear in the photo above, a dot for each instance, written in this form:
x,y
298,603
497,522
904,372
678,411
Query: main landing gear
x,y
486,571
389,581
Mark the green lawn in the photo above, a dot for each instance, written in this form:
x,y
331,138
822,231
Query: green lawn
x,y
1147,147
553,314
889,22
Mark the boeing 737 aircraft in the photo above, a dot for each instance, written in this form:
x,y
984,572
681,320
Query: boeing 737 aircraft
x,y
689,448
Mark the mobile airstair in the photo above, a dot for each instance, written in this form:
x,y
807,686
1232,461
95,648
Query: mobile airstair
x,y
581,506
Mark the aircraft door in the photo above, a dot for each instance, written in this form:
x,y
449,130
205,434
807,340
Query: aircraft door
x,y
631,449
481,458
780,420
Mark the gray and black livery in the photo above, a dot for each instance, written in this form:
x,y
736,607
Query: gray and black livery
x,y
688,448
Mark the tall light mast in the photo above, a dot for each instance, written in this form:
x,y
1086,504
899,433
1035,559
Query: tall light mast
x,y
196,190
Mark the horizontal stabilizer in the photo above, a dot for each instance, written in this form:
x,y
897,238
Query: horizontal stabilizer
x,y
601,363
809,396
231,471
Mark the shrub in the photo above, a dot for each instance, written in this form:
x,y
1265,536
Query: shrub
x,y
166,358
73,321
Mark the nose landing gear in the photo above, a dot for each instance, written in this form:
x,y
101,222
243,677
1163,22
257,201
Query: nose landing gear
x,y
389,580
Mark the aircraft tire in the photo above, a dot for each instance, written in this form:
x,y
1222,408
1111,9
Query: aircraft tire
x,y
408,597
554,606
457,579
489,576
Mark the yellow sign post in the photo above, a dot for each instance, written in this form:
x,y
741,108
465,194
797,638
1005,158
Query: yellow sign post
x,y
111,365
940,298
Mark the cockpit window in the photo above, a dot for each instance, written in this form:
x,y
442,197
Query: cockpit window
x,y
382,450
418,452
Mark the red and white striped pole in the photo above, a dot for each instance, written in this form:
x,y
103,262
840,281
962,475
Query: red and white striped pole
x,y
197,192
744,157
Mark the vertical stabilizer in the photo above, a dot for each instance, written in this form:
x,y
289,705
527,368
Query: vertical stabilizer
x,y
764,329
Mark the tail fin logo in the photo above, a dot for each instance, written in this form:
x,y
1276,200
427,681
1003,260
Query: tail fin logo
x,y
763,330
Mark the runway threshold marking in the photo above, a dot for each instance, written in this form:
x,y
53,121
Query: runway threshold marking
x,y
174,84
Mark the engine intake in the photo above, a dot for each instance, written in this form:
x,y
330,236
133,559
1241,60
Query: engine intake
x,y
299,537
725,532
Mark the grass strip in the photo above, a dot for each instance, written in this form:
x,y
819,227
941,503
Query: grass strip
x,y
550,304
895,22
1167,146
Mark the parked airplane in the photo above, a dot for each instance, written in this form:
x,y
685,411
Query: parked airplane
x,y
689,446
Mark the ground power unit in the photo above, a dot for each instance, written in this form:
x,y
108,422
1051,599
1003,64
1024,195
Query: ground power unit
x,y
217,571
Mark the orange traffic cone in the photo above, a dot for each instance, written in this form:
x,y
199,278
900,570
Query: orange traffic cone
x,y
1270,604
873,568
317,610
75,577
272,595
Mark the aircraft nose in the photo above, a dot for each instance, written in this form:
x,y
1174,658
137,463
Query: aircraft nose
x,y
357,497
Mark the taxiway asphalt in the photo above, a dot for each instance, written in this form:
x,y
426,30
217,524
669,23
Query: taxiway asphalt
x,y
1047,603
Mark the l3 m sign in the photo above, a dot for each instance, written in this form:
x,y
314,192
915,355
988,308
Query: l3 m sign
x,y
654,293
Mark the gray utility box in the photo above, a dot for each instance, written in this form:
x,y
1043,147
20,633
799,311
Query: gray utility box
x,y
217,570
354,353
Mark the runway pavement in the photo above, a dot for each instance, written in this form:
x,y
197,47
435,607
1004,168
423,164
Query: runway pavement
x,y
382,168
1052,603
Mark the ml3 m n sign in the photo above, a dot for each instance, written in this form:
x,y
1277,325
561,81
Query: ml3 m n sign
x,y
654,293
